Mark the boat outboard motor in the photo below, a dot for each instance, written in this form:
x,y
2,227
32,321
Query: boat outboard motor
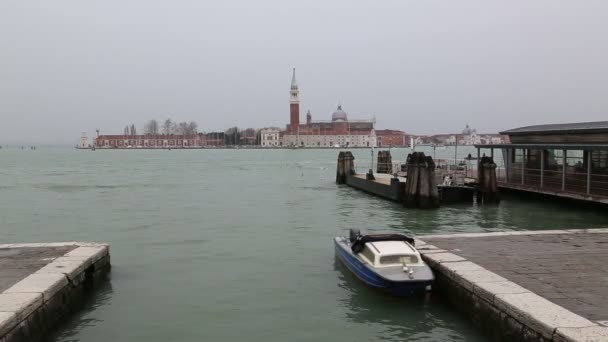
x,y
354,234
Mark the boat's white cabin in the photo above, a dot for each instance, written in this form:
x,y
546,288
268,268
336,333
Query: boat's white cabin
x,y
390,253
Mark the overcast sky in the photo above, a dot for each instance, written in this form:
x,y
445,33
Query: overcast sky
x,y
422,66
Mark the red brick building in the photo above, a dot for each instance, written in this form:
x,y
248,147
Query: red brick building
x,y
151,141
391,138
214,139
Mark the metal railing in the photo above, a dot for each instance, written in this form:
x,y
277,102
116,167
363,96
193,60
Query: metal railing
x,y
462,167
571,180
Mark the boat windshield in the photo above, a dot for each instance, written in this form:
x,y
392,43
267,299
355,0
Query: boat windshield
x,y
398,259
369,255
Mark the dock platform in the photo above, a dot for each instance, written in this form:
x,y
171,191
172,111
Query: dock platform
x,y
393,188
526,285
40,283
381,186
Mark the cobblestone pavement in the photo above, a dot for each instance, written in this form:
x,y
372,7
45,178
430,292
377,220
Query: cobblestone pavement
x,y
18,263
570,270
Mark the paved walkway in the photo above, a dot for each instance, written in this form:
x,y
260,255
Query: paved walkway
x,y
41,282
18,263
569,269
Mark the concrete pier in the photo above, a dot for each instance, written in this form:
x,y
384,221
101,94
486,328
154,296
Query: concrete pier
x,y
41,282
525,286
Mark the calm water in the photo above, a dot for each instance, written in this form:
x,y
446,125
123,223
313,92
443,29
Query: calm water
x,y
233,245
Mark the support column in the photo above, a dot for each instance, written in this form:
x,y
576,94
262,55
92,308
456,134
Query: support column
x,y
492,156
509,154
589,164
420,188
542,168
564,171
478,164
523,164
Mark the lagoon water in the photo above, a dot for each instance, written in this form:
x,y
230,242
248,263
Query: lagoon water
x,y
235,245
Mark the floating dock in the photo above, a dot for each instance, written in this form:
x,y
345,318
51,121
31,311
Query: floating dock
x,y
527,285
393,188
41,282
419,186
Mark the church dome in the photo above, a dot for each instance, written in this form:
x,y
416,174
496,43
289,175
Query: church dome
x,y
339,115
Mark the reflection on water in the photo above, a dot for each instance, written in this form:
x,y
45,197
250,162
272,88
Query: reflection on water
x,y
82,315
419,318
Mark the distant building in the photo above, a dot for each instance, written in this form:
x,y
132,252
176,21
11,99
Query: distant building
x,y
84,141
450,140
271,137
391,138
467,137
340,131
150,141
500,139
214,139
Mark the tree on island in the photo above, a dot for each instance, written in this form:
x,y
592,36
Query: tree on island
x,y
258,137
232,136
174,128
151,127
192,127
168,127
171,128
183,128
249,135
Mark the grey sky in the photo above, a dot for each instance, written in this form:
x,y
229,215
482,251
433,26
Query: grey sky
x,y
423,66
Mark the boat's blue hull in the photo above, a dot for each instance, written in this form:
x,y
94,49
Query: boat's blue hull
x,y
368,276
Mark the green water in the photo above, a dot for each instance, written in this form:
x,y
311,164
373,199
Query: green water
x,y
235,245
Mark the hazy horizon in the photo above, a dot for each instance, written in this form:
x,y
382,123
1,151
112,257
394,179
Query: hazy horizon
x,y
425,67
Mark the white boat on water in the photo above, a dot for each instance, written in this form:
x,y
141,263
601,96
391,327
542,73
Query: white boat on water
x,y
389,262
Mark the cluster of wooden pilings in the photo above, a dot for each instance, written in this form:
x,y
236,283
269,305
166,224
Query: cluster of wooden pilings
x,y
385,162
346,166
487,191
420,188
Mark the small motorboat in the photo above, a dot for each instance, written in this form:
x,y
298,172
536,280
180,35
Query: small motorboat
x,y
389,262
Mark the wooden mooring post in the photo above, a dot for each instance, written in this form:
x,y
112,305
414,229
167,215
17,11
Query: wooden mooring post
x,y
486,177
420,188
346,166
385,162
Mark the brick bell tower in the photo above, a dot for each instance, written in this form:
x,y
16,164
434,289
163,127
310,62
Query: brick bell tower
x,y
294,106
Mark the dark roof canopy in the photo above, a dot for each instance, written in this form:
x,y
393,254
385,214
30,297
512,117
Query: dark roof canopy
x,y
585,147
578,127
